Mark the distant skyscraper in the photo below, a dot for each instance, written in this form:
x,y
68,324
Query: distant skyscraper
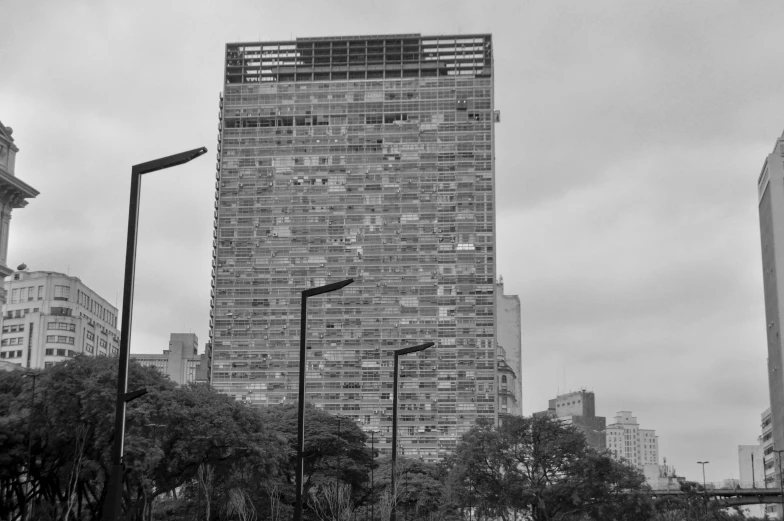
x,y
13,194
770,190
181,362
50,317
579,409
368,157
626,440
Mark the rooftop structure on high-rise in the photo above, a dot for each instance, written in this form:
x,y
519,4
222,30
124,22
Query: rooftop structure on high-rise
x,y
364,157
50,317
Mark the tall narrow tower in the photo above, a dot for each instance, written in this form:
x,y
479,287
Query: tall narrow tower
x,y
368,157
770,189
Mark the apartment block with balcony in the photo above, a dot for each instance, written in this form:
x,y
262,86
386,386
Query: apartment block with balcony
x,y
364,157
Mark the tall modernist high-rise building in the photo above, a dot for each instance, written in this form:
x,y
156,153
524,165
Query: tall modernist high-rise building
x,y
770,190
368,157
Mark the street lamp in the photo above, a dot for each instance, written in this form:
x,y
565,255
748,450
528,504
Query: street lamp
x,y
303,321
340,450
704,487
113,505
398,353
372,481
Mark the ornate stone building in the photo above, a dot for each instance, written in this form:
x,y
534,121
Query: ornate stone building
x,y
13,194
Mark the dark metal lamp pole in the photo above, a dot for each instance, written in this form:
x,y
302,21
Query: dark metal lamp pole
x,y
398,353
29,503
112,507
303,321
704,487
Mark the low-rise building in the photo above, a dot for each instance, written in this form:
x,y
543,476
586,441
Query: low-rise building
x,y
181,362
662,477
50,317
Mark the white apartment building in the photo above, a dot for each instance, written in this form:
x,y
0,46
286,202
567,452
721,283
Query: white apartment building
x,y
627,441
50,317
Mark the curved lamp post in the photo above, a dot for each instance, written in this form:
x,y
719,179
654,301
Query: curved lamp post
x,y
303,321
398,353
112,507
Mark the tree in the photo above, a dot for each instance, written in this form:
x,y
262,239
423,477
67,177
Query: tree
x,y
545,470
420,488
171,433
332,454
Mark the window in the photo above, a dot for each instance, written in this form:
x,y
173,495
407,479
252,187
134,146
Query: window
x,y
503,379
61,352
89,348
58,339
40,292
48,364
49,352
103,343
62,292
90,335
61,325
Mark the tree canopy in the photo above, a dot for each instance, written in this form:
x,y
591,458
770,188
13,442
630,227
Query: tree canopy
x,y
540,468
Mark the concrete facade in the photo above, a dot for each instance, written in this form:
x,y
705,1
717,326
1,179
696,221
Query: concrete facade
x,y
510,366
181,362
627,441
14,194
770,191
364,157
50,317
579,409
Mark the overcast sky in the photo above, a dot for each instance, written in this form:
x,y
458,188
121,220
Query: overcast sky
x,y
631,139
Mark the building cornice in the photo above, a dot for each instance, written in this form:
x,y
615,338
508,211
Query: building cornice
x,y
14,191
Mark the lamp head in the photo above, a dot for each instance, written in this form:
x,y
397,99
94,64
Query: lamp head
x,y
414,349
312,292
